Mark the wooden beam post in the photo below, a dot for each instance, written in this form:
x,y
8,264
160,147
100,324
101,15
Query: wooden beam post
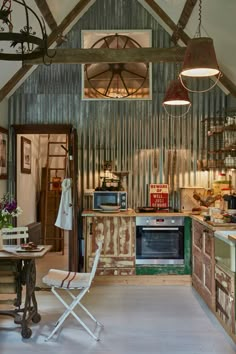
x,y
108,55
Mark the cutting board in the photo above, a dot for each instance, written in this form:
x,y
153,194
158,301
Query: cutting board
x,y
187,202
232,237
223,224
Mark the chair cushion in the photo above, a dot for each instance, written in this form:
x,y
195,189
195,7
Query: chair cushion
x,y
65,279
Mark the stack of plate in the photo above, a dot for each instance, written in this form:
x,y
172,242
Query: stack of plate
x,y
110,208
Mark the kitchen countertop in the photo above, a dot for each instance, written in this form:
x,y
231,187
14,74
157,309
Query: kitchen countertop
x,y
223,235
132,213
129,213
217,227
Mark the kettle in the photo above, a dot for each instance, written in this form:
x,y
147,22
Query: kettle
x,y
231,200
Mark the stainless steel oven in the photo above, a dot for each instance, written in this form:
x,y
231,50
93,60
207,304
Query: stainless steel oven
x,y
159,240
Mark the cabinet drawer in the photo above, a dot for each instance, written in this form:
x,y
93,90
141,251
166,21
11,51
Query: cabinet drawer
x,y
115,271
224,279
225,301
113,262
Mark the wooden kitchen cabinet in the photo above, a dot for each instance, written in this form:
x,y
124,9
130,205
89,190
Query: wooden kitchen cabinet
x,y
203,262
225,298
118,252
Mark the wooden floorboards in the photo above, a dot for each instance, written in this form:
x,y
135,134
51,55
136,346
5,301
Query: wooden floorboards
x,y
145,280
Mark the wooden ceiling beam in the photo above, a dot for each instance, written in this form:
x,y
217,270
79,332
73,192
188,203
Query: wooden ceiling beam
x,y
226,82
54,36
46,13
154,56
75,12
165,18
108,55
183,20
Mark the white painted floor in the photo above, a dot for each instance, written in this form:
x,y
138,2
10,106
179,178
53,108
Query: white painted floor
x,y
137,320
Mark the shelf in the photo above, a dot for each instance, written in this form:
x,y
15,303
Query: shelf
x,y
231,127
223,150
219,143
204,165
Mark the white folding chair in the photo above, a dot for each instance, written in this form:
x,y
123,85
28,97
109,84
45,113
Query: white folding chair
x,y
68,281
14,233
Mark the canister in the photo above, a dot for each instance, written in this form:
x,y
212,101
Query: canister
x,y
220,184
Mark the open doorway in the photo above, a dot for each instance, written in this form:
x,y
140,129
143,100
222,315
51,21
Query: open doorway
x,y
44,157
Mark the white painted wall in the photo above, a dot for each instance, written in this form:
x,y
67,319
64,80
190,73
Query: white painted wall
x,y
3,124
28,184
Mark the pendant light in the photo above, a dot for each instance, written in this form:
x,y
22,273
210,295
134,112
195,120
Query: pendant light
x,y
176,97
200,58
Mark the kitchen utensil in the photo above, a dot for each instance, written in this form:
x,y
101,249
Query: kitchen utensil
x,y
231,200
110,207
146,209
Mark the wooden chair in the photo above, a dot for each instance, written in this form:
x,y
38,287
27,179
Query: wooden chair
x,y
80,282
10,282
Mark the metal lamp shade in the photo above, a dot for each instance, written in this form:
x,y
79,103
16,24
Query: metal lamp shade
x,y
176,95
200,58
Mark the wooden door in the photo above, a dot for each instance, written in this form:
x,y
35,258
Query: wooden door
x,y
73,235
73,153
203,263
118,252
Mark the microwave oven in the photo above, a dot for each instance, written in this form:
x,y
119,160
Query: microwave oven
x,y
110,197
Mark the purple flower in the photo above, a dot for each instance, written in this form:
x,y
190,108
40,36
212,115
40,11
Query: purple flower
x,y
11,206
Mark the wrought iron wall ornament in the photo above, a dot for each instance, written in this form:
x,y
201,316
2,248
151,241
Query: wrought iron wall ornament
x,y
116,80
25,42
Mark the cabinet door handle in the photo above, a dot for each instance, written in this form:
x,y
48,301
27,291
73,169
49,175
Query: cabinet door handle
x,y
91,228
200,240
231,299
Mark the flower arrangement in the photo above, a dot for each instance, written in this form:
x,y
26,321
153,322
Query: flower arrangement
x,y
8,210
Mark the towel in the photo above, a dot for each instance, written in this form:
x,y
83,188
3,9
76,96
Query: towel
x,y
64,216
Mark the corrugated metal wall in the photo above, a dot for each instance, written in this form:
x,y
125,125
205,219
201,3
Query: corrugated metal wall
x,y
138,136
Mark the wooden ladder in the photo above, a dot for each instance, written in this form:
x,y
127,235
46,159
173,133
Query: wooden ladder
x,y
56,162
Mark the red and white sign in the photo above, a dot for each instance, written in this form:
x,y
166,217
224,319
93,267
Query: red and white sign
x,y
159,195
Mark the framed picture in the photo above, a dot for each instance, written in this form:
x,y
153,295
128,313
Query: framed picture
x,y
25,155
3,153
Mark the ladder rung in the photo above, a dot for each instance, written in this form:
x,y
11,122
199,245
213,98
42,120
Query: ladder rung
x,y
56,155
57,142
55,169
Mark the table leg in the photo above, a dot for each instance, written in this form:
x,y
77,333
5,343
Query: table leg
x,y
30,309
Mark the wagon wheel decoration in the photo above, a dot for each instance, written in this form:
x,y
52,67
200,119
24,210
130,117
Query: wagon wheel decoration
x,y
116,80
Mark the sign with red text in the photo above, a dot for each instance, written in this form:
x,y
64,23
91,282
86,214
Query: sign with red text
x,y
159,195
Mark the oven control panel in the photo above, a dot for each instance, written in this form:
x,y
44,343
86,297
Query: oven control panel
x,y
160,221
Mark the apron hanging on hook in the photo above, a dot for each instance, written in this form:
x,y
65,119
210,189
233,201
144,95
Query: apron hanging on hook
x,y
64,217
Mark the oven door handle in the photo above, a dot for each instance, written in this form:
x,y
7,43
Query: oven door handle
x,y
160,228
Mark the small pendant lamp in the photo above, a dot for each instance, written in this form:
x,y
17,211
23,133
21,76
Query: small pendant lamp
x,y
200,58
176,95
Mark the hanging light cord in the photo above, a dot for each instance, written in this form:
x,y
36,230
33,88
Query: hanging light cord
x,y
198,32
